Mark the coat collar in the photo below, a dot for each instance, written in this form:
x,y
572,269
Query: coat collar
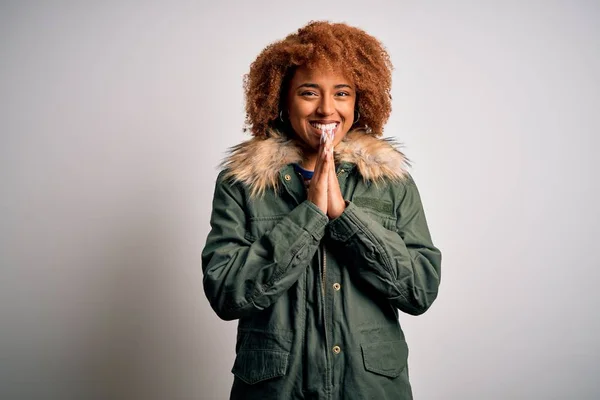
x,y
258,161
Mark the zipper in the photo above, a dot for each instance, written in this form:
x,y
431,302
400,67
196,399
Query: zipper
x,y
328,376
328,372
324,274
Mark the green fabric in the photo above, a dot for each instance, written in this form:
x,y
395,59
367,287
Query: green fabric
x,y
384,207
263,265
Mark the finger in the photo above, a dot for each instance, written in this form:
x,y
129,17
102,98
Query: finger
x,y
334,184
324,176
318,165
330,137
319,185
323,162
321,156
319,182
332,176
323,136
323,170
320,151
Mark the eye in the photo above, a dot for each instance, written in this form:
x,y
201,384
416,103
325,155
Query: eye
x,y
343,94
308,93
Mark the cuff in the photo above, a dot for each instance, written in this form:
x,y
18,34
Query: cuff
x,y
344,227
311,218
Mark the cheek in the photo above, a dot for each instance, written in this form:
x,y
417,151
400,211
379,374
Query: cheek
x,y
298,112
349,111
349,116
298,115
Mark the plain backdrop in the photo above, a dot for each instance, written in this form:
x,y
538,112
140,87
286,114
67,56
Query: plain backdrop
x,y
114,116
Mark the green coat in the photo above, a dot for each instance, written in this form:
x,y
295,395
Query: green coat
x,y
317,300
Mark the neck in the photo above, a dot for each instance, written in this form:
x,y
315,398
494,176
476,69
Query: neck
x,y
309,161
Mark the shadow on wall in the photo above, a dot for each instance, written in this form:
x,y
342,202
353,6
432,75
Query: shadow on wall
x,y
152,335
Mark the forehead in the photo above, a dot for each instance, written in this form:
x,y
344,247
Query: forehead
x,y
320,74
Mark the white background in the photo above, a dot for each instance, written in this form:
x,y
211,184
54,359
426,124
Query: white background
x,y
114,116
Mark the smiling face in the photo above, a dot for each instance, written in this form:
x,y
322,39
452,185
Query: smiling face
x,y
320,99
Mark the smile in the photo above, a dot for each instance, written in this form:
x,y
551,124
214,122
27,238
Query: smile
x,y
324,127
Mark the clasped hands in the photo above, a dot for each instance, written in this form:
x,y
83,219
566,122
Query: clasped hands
x,y
324,189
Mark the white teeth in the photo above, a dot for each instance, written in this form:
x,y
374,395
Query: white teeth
x,y
322,127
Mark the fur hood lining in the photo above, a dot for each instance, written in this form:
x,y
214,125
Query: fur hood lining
x,y
257,162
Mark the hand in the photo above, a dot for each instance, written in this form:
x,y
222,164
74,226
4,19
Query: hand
x,y
317,190
335,201
324,189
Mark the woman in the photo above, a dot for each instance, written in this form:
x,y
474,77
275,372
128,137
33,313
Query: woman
x,y
318,233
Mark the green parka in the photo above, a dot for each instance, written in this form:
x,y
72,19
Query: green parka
x,y
318,300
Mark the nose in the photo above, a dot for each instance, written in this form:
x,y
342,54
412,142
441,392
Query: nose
x,y
325,106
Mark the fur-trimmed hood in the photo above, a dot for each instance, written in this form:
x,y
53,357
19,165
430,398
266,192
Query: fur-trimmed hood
x,y
257,162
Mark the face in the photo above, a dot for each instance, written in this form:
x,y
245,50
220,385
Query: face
x,y
320,98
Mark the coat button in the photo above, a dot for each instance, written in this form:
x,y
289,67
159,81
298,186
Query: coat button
x,y
337,349
337,286
287,177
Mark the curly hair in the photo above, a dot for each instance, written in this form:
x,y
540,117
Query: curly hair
x,y
360,56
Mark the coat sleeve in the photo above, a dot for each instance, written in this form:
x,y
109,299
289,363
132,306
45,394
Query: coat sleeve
x,y
242,276
404,266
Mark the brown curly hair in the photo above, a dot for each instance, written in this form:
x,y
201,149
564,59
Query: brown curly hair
x,y
360,56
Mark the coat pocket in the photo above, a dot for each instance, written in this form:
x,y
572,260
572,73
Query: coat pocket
x,y
253,366
385,358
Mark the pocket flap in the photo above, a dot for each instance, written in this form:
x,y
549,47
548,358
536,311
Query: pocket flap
x,y
253,366
385,358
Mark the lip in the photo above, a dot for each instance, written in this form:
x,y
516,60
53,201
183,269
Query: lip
x,y
317,131
324,121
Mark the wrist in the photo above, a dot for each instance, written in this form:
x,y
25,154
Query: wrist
x,y
338,210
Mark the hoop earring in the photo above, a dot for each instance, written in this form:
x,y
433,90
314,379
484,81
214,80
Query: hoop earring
x,y
281,116
357,117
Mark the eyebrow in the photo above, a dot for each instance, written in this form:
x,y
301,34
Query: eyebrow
x,y
314,85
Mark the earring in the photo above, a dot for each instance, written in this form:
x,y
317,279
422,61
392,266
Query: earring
x,y
281,116
357,117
